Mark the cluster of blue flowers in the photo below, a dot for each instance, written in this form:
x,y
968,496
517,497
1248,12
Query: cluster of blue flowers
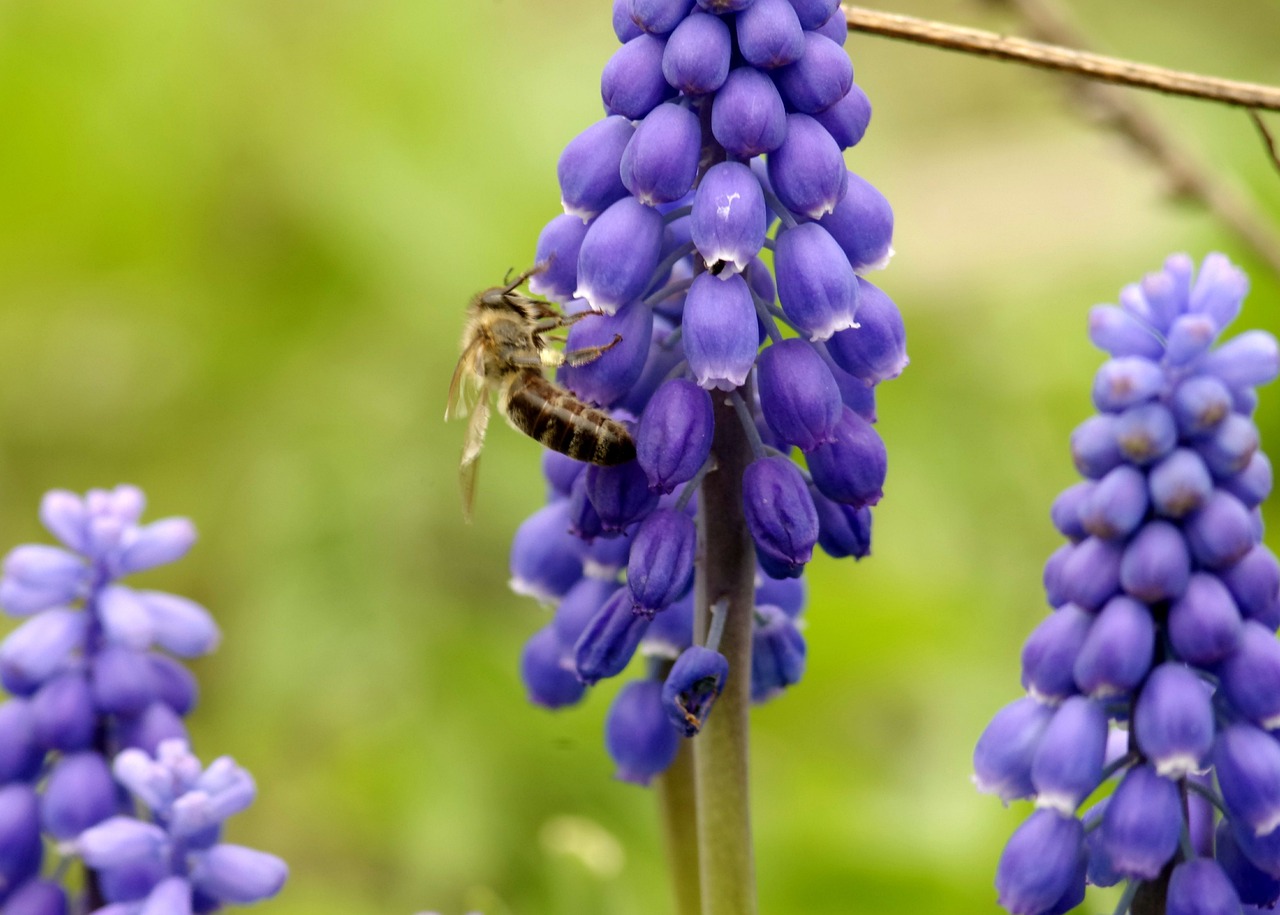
x,y
723,117
96,706
1159,667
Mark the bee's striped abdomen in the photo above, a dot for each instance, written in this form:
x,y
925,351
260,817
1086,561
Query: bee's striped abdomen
x,y
558,420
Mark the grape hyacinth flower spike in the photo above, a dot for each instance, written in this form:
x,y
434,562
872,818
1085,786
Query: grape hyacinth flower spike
x,y
1161,644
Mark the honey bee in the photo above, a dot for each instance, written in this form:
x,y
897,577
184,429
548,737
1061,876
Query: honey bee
x,y
503,350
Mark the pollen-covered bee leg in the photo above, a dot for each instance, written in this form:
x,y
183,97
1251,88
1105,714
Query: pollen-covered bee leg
x,y
555,320
580,356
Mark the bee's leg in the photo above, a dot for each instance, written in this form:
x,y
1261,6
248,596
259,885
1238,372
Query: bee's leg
x,y
554,320
513,285
582,356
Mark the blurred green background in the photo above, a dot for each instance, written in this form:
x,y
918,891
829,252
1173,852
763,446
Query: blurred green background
x,y
236,241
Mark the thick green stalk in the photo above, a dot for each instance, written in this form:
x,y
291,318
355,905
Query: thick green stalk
x,y
676,798
726,572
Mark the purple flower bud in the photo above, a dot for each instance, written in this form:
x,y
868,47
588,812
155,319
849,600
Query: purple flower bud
x,y
620,494
589,178
818,288
63,714
619,254
1200,887
1067,765
660,569
576,610
659,16
584,521
181,626
1116,504
34,652
748,117
1065,511
605,647
20,849
1091,573
1204,624
696,59
638,735
557,255
1100,871
174,684
157,723
729,217
1052,576
1221,533
813,13
787,594
607,378
671,631
1094,447
120,679
39,576
696,680
548,675
632,83
80,793
807,171
1173,721
799,397
1252,484
1002,758
1199,404
20,753
1156,565
1180,484
874,350
1126,382
777,654
1254,582
1231,446
1146,433
1121,334
120,840
1250,676
545,558
238,875
674,436
1039,863
661,161
1255,886
38,897
1247,760
1189,337
779,512
1141,824
1117,651
1219,290
852,468
842,529
124,617
623,27
848,118
155,544
769,34
720,338
1245,361
1049,653
819,79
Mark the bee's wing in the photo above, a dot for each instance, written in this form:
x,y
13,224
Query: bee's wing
x,y
470,465
466,386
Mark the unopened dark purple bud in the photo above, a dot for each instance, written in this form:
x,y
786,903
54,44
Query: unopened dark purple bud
x,y
1117,651
660,569
787,594
769,34
813,13
1221,533
638,735
548,674
174,684
63,713
1246,361
589,184
557,257
20,848
748,117
1247,760
1091,573
35,651
1254,582
1049,653
1179,484
856,394
1146,433
671,631
20,752
724,6
1065,511
1126,382
1052,577
729,216
1231,446
1121,334
579,606
659,16
1252,484
661,161
720,338
120,679
695,682
80,793
545,558
605,647
876,349
37,897
779,512
1204,624
848,118
620,494
798,396
777,654
842,529
560,471
1200,887
807,171
607,556
696,59
619,255
1199,404
1173,721
1189,337
632,83
1002,758
674,436
1250,676
1156,564
1254,885
1116,504
1141,824
607,378
852,468
1039,862
1067,765
157,723
584,522
1094,447
819,79
817,287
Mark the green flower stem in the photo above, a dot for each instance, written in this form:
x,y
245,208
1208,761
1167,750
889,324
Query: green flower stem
x,y
726,572
676,798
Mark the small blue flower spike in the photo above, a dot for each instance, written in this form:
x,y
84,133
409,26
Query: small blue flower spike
x,y
1162,643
